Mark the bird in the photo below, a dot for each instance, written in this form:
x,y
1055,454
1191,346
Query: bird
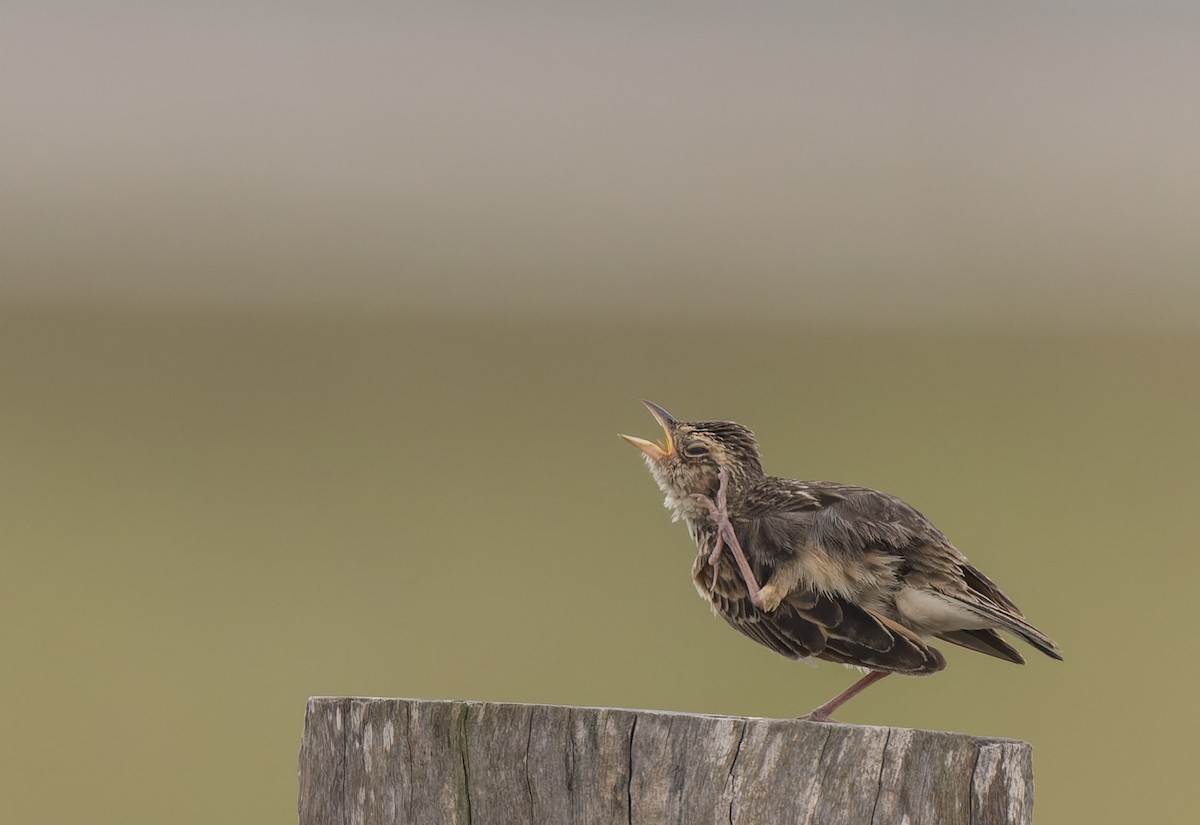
x,y
825,570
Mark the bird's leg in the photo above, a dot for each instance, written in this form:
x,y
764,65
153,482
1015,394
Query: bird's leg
x,y
735,547
726,537
822,713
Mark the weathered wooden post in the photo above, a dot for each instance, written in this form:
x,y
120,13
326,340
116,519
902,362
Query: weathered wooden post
x,y
414,761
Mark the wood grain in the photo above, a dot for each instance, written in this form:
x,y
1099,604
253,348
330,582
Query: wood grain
x,y
376,761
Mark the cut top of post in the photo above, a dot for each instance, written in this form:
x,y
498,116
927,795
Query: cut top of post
x,y
419,761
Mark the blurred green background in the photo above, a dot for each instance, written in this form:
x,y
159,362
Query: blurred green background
x,y
317,326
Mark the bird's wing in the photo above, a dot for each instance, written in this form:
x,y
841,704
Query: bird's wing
x,y
981,587
1003,618
848,541
867,521
907,652
813,624
856,520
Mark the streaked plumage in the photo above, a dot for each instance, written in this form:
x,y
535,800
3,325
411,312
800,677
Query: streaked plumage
x,y
848,574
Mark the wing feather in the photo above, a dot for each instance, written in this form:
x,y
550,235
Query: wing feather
x,y
821,625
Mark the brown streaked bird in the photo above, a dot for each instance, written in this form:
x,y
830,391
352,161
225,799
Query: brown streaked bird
x,y
848,574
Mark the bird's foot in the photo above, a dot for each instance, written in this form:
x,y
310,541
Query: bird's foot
x,y
814,716
768,599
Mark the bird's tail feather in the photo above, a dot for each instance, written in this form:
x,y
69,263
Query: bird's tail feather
x,y
983,641
1017,626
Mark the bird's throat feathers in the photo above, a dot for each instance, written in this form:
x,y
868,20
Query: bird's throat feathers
x,y
679,486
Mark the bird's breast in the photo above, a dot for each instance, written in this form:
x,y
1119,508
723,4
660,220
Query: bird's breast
x,y
685,508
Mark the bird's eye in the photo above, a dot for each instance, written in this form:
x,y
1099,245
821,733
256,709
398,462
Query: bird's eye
x,y
697,449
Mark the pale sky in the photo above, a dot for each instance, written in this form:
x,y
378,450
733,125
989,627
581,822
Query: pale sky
x,y
1018,163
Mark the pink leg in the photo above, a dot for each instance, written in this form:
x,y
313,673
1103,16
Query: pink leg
x,y
822,713
726,537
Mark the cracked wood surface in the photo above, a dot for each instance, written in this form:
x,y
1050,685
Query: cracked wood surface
x,y
368,761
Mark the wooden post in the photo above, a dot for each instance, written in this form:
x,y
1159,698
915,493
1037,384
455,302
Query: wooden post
x,y
375,761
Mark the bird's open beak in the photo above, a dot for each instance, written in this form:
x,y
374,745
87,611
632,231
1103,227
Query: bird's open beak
x,y
650,448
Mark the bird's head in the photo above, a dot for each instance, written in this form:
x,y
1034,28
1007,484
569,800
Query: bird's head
x,y
693,452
